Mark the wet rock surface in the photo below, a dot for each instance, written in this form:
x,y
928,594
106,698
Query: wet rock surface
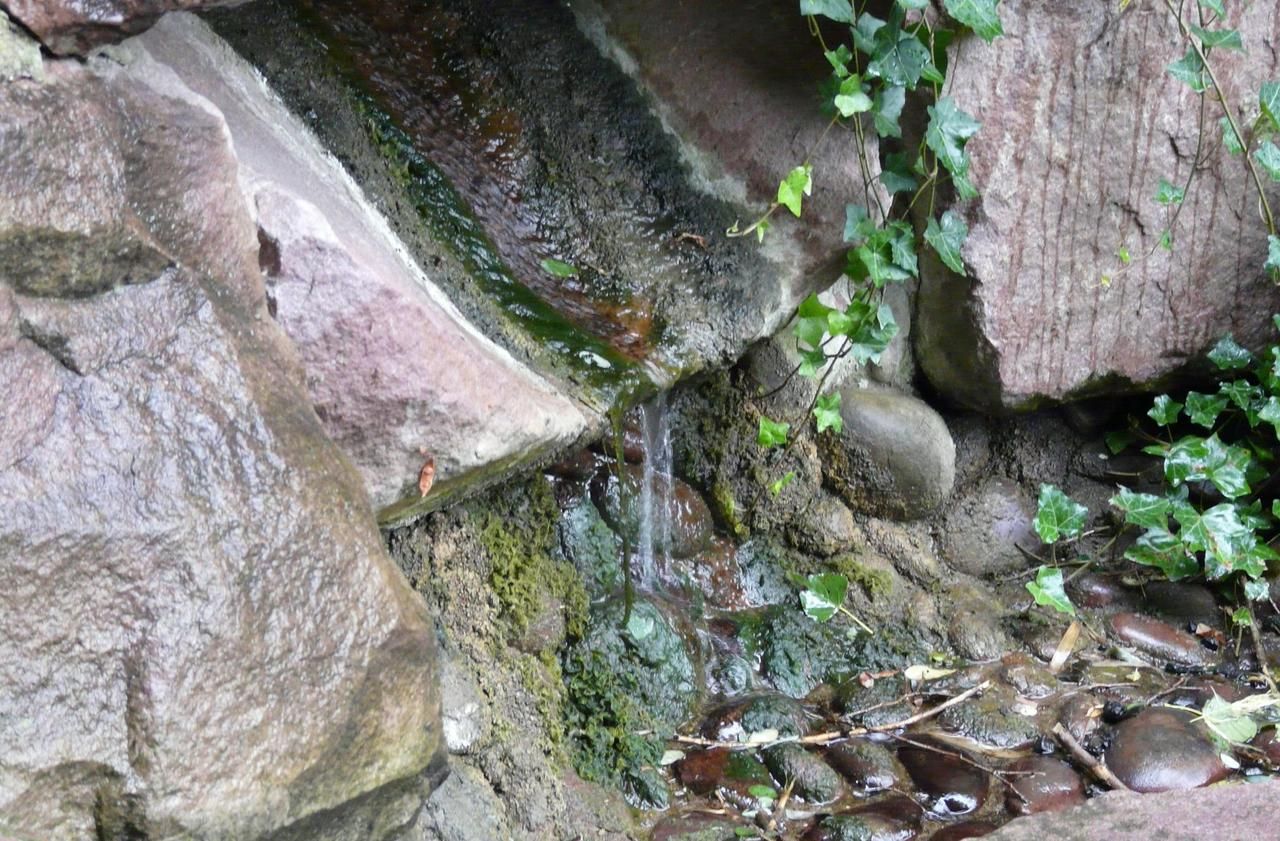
x,y
866,766
1159,640
1158,750
989,528
689,518
397,375
949,780
74,27
814,780
1043,784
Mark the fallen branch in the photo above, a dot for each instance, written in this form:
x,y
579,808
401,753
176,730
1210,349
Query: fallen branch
x,y
1096,768
836,735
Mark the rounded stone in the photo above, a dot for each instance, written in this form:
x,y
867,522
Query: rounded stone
x,y
990,719
894,456
1027,677
867,766
896,819
825,528
767,711
1181,603
881,703
815,781
961,831
1158,640
984,529
1097,590
951,786
1157,750
1042,784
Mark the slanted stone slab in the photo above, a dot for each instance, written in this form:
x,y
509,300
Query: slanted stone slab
x,y
396,373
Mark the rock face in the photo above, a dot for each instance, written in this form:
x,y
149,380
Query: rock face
x,y
1062,194
396,374
202,633
77,26
894,457
695,60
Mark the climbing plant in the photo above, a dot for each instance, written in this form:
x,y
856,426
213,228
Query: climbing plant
x,y
876,66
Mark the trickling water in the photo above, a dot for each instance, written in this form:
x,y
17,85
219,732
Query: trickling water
x,y
653,552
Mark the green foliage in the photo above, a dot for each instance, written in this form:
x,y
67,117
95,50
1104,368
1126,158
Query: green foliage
x,y
1225,452
979,15
518,535
824,595
1058,516
871,74
1049,589
559,268
793,188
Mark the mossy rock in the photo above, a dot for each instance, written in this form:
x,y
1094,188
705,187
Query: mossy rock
x,y
875,705
623,680
814,780
798,653
592,547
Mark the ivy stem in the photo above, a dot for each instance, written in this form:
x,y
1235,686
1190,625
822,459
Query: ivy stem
x,y
1226,108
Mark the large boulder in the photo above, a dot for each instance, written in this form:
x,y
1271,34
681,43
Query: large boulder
x,y
200,632
397,375
74,27
1080,122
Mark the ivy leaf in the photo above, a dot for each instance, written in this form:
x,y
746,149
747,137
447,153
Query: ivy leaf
x,y
1161,549
949,128
559,268
1228,355
1203,409
1189,69
1192,458
1214,6
777,486
1165,411
1118,440
1256,590
1226,38
1228,722
979,15
902,245
1048,589
1230,139
1058,515
1270,412
898,59
857,224
1269,102
873,337
812,319
1268,157
1219,534
865,33
824,595
827,412
772,434
1146,511
851,99
947,239
1273,255
1168,193
839,59
888,108
896,174
913,4
797,184
837,10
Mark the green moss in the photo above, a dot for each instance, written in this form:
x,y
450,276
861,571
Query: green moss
x,y
875,582
518,532
725,508
541,676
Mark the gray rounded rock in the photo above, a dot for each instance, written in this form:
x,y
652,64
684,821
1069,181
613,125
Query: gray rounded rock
x,y
894,457
983,531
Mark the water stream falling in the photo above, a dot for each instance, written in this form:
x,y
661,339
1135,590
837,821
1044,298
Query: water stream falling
x,y
653,550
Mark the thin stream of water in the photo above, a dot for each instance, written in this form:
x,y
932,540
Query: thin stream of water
x,y
653,552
